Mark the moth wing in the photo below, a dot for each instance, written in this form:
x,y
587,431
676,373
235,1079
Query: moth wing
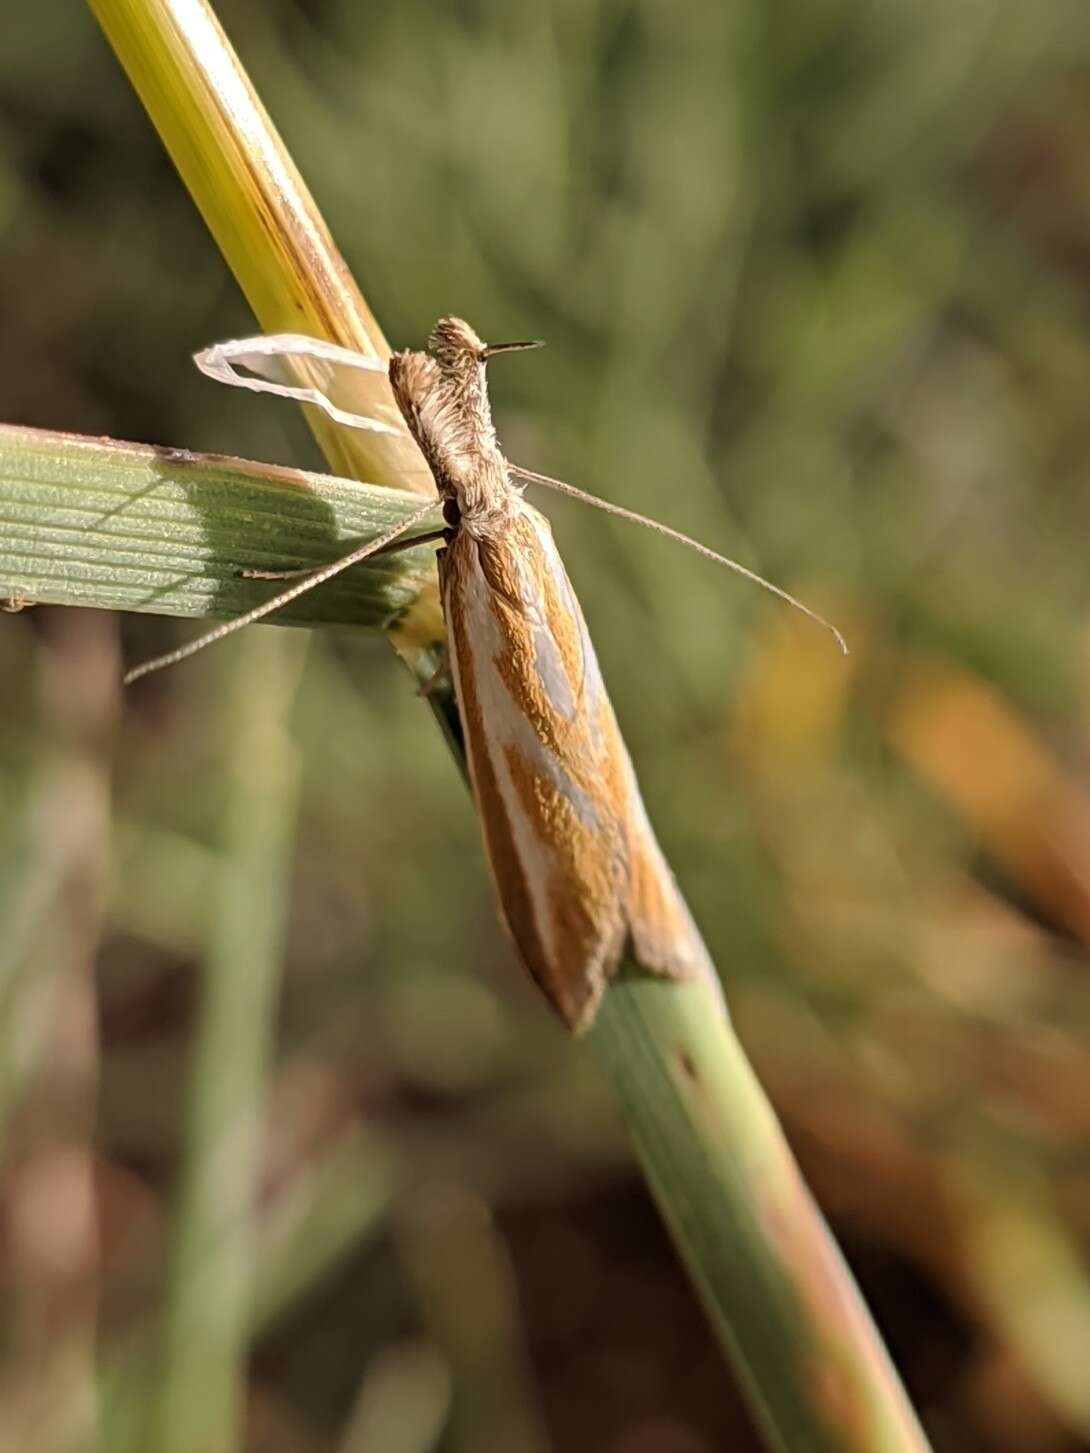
x,y
557,867
576,866
664,939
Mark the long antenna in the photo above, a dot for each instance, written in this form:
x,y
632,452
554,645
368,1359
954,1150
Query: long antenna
x,y
259,612
530,476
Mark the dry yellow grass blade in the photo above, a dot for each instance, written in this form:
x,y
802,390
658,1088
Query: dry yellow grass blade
x,y
264,220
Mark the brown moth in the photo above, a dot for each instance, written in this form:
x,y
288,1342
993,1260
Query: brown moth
x,y
581,881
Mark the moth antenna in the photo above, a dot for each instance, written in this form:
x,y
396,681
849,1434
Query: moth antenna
x,y
315,578
530,476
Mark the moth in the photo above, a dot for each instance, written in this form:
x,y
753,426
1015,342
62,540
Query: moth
x,y
581,882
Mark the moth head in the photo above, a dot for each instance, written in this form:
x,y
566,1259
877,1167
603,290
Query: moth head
x,y
457,349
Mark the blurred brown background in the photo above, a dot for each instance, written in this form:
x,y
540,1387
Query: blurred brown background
x,y
815,278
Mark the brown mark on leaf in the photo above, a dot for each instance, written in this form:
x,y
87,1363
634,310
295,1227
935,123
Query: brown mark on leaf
x,y
688,1068
841,1368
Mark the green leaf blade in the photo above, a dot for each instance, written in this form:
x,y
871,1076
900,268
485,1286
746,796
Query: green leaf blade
x,y
118,526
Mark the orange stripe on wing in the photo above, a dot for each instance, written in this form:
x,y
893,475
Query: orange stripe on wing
x,y
554,838
575,863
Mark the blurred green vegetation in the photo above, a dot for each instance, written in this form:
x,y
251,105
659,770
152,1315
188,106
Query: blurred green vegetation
x,y
814,278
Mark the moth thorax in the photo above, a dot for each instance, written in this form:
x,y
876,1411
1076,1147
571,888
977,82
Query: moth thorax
x,y
468,391
483,496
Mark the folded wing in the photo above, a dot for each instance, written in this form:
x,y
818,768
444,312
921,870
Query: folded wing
x,y
580,877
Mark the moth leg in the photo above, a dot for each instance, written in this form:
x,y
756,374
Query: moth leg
x,y
391,549
277,574
441,671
